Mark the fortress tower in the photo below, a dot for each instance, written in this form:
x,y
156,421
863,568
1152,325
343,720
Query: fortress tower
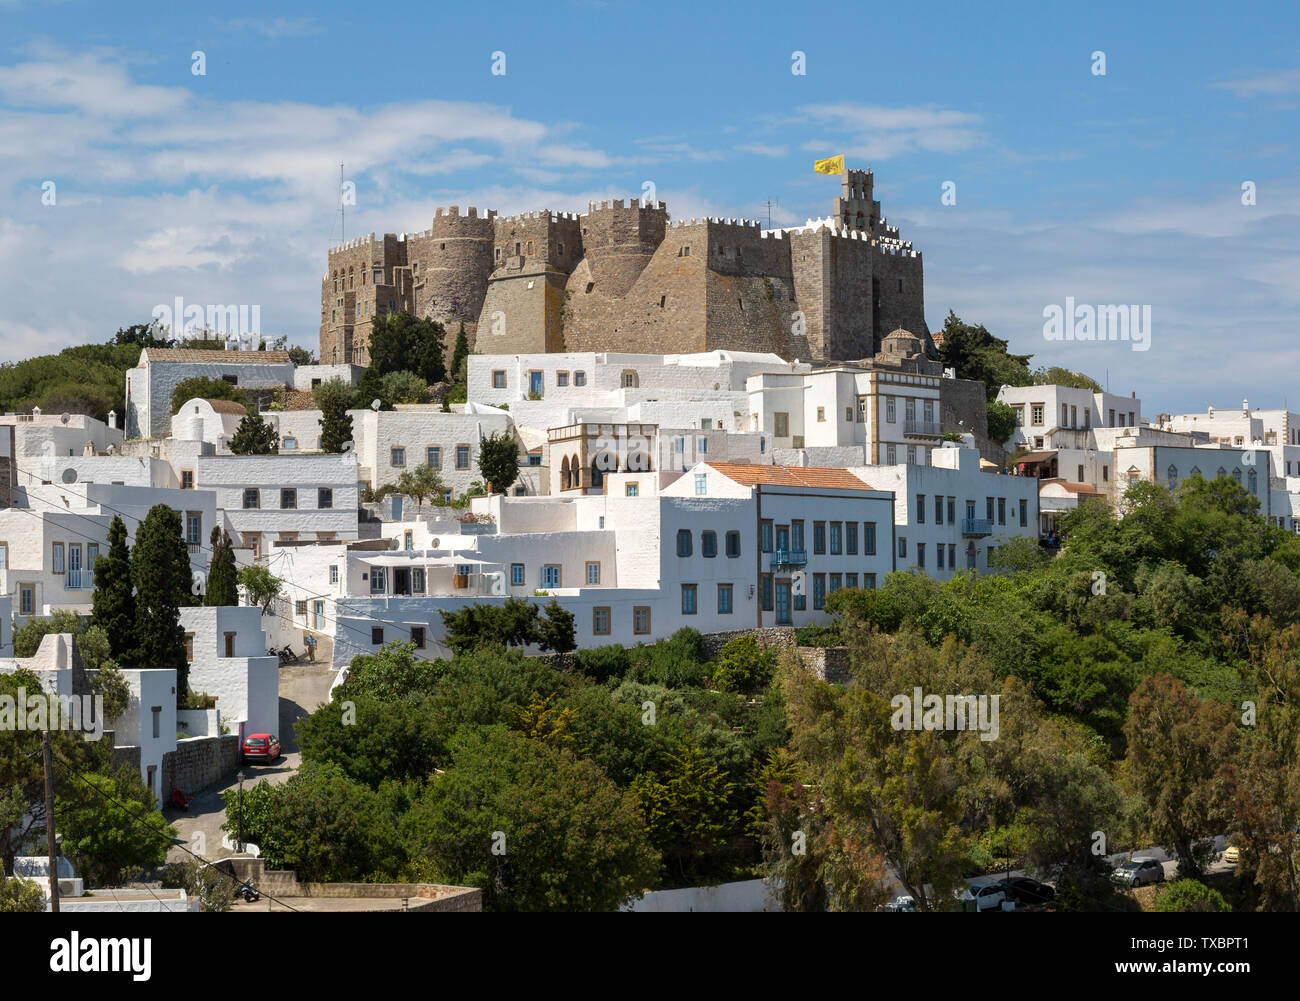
x,y
450,264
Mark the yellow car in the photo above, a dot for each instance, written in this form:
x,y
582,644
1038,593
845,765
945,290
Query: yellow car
x,y
1232,855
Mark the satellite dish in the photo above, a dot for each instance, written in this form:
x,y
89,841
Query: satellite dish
x,y
65,418
69,475
437,544
375,405
397,543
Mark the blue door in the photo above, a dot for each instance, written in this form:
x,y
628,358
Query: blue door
x,y
535,383
397,509
783,603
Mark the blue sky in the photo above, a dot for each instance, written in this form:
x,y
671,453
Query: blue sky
x,y
222,188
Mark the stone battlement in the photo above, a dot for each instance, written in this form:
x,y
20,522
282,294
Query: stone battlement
x,y
453,212
352,244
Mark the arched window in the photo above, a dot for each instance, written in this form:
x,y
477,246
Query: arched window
x,y
575,473
1251,480
564,474
1196,471
1236,475
1173,476
597,476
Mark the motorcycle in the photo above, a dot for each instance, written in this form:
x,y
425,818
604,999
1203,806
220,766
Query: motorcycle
x,y
248,890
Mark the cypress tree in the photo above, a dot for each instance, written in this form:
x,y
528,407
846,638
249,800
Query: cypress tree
x,y
160,570
114,602
222,584
458,355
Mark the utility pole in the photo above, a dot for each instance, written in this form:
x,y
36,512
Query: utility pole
x,y
49,823
343,233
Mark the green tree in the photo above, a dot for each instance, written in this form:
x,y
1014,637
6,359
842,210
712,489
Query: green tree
x,y
1178,750
201,387
214,890
687,811
976,354
535,828
113,605
372,740
392,672
254,436
743,666
160,571
421,482
222,577
400,341
460,356
556,631
498,459
333,399
514,622
115,827
261,586
142,335
1055,375
1001,421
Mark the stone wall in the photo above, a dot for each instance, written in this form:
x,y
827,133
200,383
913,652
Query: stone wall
x,y
432,896
198,763
829,663
770,637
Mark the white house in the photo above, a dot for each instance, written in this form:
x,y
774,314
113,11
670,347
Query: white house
x,y
226,650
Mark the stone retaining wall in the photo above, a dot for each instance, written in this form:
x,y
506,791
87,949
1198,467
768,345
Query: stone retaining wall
x,y
433,896
199,762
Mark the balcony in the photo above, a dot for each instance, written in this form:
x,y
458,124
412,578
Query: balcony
x,y
77,580
914,428
789,558
975,528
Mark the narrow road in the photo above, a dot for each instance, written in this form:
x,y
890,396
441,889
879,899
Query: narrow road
x,y
303,687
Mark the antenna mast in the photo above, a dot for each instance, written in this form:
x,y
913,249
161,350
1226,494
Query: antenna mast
x,y
343,233
769,203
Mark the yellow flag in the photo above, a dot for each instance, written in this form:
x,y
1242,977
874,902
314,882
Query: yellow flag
x,y
835,165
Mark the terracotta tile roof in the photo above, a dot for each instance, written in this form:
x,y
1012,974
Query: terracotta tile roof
x,y
204,354
1074,488
826,478
227,407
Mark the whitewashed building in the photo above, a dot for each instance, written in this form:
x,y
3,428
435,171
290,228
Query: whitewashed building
x,y
159,371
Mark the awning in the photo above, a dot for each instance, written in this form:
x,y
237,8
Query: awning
x,y
1038,456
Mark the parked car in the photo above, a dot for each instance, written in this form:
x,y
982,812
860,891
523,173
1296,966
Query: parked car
x,y
261,747
1232,854
903,903
1024,890
987,896
1139,872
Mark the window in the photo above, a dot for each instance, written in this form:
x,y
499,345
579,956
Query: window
x,y
561,379
462,457
988,508
765,591
891,410
300,608
629,379
891,455
938,509
397,457
911,455
376,636
821,415
58,557
579,378
334,573
709,544
251,500
288,498
408,540
1002,510
868,538
593,573
378,580
724,599
325,498
701,485
765,536
920,554
684,542
848,414
641,620
851,580
516,575
551,575
819,538
193,528
851,538
26,599
417,637
1172,475
902,547
433,456
187,479
289,444
600,620
688,599
498,379
835,584
1036,414
1105,474
1024,512
630,490
920,509
189,648
92,554
781,425
819,590
229,644
837,538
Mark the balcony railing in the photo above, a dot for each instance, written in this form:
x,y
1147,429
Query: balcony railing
x,y
78,579
922,429
976,527
789,557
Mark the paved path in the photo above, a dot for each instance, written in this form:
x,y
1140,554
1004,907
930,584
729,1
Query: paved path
x,y
303,687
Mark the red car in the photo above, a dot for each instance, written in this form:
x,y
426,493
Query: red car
x,y
261,747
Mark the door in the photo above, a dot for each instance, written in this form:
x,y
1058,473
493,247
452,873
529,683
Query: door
x,y
402,580
397,509
783,603
535,383
782,538
318,615
74,565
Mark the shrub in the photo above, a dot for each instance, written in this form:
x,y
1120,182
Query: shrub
x,y
1189,895
744,667
603,662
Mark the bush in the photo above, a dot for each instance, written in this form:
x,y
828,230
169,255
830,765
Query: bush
x,y
1189,895
818,635
603,662
677,662
20,896
744,667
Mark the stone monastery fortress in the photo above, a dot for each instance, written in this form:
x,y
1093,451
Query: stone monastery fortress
x,y
623,277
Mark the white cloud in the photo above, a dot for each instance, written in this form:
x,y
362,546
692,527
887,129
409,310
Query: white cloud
x,y
1277,82
276,27
874,132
